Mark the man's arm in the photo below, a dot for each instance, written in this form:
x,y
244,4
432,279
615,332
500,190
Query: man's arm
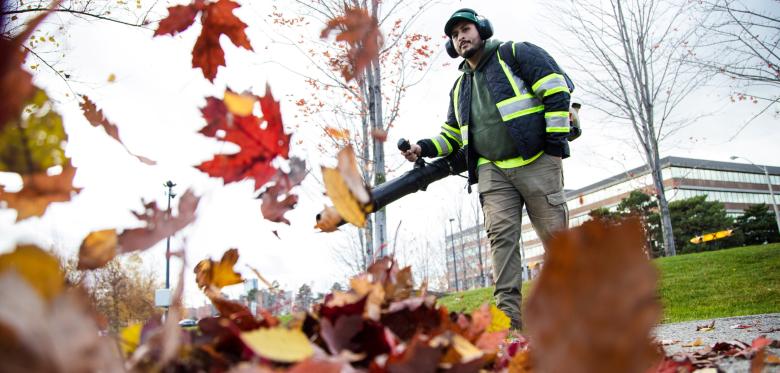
x,y
446,142
540,70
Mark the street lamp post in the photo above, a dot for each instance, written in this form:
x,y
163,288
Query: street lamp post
x,y
768,184
168,184
454,260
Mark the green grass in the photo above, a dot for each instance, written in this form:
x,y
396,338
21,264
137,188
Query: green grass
x,y
730,282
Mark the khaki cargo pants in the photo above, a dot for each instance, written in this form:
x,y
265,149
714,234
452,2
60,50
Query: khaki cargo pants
x,y
503,192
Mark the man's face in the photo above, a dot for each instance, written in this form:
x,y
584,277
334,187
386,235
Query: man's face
x,y
465,38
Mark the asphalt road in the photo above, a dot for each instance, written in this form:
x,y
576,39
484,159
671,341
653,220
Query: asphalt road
x,y
677,335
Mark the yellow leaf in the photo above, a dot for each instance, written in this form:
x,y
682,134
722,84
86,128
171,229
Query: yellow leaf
x,y
346,188
499,322
328,220
338,134
111,78
97,249
219,274
130,338
241,105
279,344
698,342
465,349
40,269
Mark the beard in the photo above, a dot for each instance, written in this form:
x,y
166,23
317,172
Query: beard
x,y
473,50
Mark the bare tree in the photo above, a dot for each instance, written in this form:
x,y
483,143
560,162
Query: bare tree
x,y
743,44
350,254
634,54
369,104
476,208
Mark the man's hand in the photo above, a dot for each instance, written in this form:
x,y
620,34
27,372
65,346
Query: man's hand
x,y
413,152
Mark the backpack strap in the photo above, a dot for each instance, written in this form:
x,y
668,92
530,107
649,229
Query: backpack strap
x,y
505,51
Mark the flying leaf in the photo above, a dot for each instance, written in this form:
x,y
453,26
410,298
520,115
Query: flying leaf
x,y
39,191
39,268
35,142
96,118
217,19
338,134
97,249
328,220
16,86
158,224
595,302
259,144
277,199
219,274
239,104
130,338
379,134
361,32
279,344
346,189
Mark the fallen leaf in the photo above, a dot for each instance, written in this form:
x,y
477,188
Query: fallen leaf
x,y
259,144
417,357
706,327
668,342
279,344
97,249
130,338
96,118
39,191
772,359
219,274
696,343
40,269
217,19
520,362
741,326
499,320
595,302
158,224
361,32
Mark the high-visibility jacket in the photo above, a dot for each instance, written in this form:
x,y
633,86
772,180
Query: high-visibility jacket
x,y
531,95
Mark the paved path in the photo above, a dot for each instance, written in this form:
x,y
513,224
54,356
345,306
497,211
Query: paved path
x,y
685,333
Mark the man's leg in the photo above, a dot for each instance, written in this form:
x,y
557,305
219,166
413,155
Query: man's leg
x,y
502,206
541,185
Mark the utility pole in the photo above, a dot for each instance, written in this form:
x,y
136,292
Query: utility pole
x,y
768,184
168,184
454,260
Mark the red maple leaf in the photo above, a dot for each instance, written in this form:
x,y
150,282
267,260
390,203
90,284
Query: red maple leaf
x,y
259,144
217,19
361,32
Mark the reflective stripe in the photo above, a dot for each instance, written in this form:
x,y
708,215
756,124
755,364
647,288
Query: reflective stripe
x,y
451,129
548,83
456,139
443,146
510,163
557,121
519,106
455,99
464,134
452,133
509,76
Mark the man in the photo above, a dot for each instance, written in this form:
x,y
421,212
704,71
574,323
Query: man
x,y
509,112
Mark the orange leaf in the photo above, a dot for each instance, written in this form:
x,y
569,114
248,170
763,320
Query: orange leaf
x,y
328,220
338,134
219,274
346,189
361,33
97,249
595,302
39,191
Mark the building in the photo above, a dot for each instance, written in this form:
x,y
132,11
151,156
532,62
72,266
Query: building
x,y
737,185
467,244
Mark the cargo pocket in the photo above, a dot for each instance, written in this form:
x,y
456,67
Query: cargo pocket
x,y
558,201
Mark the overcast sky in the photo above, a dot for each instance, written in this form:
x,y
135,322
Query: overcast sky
x,y
155,101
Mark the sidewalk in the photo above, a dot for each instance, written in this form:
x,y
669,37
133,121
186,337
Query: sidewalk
x,y
675,336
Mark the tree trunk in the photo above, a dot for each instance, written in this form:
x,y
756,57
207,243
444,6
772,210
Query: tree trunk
x,y
375,114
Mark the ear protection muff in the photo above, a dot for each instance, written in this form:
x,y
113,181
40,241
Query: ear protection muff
x,y
484,28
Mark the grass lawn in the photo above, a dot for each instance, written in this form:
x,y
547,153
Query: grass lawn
x,y
731,282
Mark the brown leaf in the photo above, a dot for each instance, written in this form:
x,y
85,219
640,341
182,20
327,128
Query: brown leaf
x,y
346,188
96,118
379,134
217,19
158,224
328,220
219,274
16,86
39,191
180,18
595,302
97,249
277,199
40,269
361,32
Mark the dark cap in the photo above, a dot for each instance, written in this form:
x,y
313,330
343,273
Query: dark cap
x,y
464,14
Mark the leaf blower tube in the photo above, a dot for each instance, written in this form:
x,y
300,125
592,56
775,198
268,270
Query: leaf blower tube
x,y
422,175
